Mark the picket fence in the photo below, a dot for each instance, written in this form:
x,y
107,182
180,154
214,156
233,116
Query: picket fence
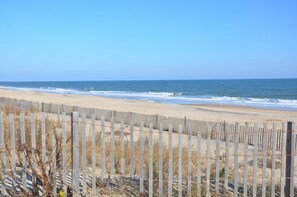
x,y
229,149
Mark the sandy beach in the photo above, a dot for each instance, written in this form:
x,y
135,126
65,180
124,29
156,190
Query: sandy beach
x,y
197,112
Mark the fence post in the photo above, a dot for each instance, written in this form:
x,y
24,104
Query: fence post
x,y
141,158
170,161
218,135
160,160
75,153
112,168
289,160
23,142
94,136
226,131
64,153
122,148
264,158
245,176
189,130
12,151
151,161
43,142
54,164
255,156
132,146
84,153
102,149
236,141
180,170
2,158
198,163
283,175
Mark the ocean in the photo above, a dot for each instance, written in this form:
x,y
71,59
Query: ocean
x,y
260,93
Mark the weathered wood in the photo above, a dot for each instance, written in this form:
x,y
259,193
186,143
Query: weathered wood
x,y
2,156
33,140
54,164
189,130
132,146
180,170
264,161
43,139
245,175
75,153
102,148
208,161
151,161
64,150
255,158
290,154
218,136
274,141
283,159
23,153
170,173
122,148
199,163
141,158
12,149
226,129
94,136
160,160
84,152
236,139
112,170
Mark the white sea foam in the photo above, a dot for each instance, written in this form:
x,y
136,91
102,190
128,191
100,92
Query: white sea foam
x,y
170,97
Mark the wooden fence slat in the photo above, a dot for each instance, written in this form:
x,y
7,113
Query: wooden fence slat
x,y
226,129
264,159
255,158
64,150
274,141
151,161
84,153
23,154
112,170
94,164
12,149
2,156
141,158
236,139
54,164
189,159
208,161
33,140
161,159
292,186
122,148
180,170
132,146
75,153
283,159
170,174
199,155
218,134
102,148
245,176
43,138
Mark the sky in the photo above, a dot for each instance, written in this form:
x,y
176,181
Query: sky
x,y
147,40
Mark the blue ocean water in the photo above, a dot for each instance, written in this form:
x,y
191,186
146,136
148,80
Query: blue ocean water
x,y
261,93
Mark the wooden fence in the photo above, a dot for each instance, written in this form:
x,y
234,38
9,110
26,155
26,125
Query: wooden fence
x,y
223,159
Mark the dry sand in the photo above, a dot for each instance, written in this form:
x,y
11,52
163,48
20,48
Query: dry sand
x,y
198,112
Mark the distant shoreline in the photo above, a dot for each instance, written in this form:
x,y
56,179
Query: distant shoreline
x,y
197,112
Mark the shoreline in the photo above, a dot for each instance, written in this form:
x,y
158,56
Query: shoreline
x,y
204,112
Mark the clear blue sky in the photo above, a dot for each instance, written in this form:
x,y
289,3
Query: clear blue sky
x,y
130,40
